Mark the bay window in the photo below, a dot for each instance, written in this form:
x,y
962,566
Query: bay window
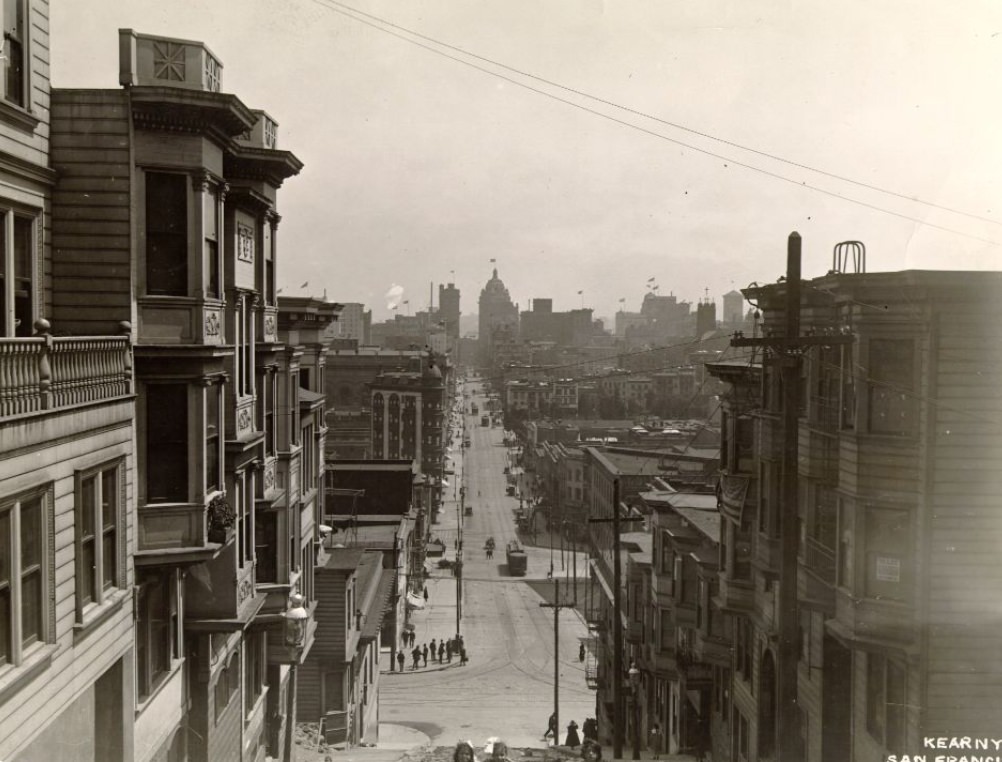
x,y
166,234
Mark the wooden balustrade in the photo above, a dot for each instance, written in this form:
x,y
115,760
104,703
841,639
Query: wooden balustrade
x,y
46,373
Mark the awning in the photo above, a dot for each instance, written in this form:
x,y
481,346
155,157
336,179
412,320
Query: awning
x,y
415,601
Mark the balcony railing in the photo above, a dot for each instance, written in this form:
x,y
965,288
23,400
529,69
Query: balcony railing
x,y
47,373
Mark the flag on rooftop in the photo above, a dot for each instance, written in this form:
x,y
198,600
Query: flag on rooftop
x,y
493,260
305,284
580,292
649,280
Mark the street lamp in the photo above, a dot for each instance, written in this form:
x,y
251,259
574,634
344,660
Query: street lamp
x,y
295,622
634,674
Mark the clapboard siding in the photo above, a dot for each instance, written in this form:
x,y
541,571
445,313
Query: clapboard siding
x,y
91,210
963,660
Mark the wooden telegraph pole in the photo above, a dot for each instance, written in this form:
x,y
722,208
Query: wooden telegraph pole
x,y
787,351
556,606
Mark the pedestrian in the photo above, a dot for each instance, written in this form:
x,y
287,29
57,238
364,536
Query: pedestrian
x,y
424,654
426,595
581,652
411,637
590,729
654,741
572,740
463,752
400,660
448,651
591,751
416,656
551,727
441,651
462,657
434,652
404,636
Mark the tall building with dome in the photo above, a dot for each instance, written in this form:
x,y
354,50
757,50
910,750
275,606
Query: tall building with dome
x,y
498,315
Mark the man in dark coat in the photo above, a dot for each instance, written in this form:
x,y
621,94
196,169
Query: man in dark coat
x,y
400,660
416,656
424,655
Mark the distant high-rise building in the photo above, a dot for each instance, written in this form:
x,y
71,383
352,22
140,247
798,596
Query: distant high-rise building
x,y
354,322
734,307
496,312
706,317
448,309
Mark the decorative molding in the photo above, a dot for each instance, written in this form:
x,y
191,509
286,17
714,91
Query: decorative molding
x,y
245,591
269,325
243,419
245,243
211,323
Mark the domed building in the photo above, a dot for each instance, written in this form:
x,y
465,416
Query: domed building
x,y
497,315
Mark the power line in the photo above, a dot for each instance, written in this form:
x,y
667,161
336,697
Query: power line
x,y
728,160
676,125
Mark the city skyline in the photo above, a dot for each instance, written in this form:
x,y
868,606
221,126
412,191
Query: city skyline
x,y
422,168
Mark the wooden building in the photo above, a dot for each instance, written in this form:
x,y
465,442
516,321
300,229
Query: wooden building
x,y
67,464
341,675
898,579
165,215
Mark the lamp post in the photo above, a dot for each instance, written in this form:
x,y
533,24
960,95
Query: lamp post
x,y
296,617
634,674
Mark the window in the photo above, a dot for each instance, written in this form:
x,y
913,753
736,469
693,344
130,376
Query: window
x,y
14,51
17,275
22,577
210,224
166,234
885,701
743,648
666,564
254,668
156,632
891,386
98,521
265,540
166,443
294,408
269,264
227,684
212,438
888,554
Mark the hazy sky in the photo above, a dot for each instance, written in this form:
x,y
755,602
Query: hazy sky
x,y
418,165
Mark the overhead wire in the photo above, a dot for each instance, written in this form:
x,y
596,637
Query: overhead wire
x,y
339,8
676,125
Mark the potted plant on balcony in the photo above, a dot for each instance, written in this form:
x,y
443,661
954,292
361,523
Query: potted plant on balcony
x,y
221,519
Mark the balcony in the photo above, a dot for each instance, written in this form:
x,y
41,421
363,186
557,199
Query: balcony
x,y
180,320
768,555
819,455
735,596
171,527
711,649
873,621
816,576
663,663
44,373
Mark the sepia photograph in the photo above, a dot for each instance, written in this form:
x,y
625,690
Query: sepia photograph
x,y
500,381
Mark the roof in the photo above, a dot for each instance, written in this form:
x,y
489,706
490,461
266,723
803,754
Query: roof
x,y
343,559
673,499
380,605
706,522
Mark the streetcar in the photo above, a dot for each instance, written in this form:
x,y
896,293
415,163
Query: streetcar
x,y
517,560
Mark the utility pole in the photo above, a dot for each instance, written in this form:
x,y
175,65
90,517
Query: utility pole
x,y
617,630
556,606
788,349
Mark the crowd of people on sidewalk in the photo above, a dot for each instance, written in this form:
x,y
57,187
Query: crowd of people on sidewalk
x,y
441,651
